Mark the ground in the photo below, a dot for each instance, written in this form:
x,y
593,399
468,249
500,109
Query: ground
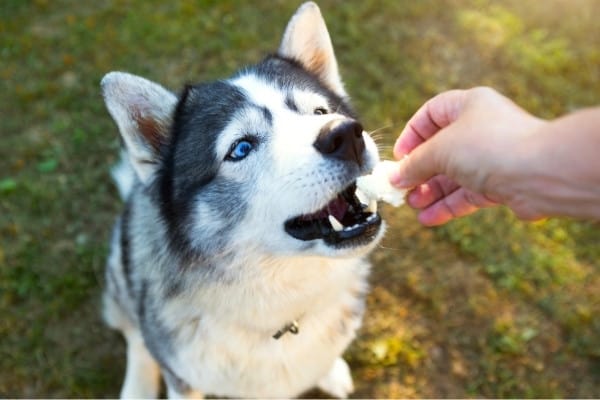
x,y
486,306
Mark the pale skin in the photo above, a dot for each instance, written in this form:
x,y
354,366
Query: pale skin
x,y
471,149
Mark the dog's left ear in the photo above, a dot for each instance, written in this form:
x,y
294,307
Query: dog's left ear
x,y
307,40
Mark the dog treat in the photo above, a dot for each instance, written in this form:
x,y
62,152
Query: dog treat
x,y
376,186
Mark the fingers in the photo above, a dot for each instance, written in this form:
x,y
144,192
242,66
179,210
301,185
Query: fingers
x,y
434,115
459,203
424,162
420,140
428,193
433,154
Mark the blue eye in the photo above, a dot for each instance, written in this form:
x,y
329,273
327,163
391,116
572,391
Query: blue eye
x,y
240,150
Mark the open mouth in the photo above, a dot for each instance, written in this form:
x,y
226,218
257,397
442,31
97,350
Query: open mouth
x,y
350,219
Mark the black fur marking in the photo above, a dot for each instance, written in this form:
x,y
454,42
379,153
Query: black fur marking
x,y
267,115
157,339
190,162
173,287
126,248
289,74
290,103
141,305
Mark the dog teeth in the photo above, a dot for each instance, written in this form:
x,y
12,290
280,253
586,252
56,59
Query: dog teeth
x,y
362,197
337,225
372,208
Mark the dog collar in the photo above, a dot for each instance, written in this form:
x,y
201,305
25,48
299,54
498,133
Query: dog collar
x,y
291,327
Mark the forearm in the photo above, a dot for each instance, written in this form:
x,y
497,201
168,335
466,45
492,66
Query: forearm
x,y
559,169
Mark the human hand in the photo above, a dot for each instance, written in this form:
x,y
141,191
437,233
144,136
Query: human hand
x,y
464,152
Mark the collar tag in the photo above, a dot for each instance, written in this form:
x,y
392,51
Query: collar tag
x,y
290,327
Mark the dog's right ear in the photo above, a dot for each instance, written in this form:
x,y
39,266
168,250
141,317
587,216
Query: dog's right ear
x,y
143,111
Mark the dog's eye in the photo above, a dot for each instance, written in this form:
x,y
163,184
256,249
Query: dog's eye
x,y
320,111
240,150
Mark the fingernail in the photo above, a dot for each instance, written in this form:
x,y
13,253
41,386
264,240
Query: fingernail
x,y
397,180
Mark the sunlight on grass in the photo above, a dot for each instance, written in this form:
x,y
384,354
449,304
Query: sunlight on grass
x,y
486,306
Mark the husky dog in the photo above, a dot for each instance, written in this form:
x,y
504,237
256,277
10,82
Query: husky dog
x,y
238,265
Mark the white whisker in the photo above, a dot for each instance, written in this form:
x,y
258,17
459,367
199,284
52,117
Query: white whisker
x,y
377,130
388,248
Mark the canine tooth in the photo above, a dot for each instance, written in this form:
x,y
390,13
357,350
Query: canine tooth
x,y
372,206
337,225
362,197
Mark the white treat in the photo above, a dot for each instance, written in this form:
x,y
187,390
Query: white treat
x,y
376,186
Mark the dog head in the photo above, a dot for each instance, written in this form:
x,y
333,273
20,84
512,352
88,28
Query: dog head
x,y
266,159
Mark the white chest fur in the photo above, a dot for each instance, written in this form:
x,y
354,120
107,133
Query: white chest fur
x,y
224,342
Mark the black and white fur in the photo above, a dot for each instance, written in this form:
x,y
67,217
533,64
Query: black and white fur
x,y
203,270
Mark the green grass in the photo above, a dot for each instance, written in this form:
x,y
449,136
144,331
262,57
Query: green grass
x,y
486,306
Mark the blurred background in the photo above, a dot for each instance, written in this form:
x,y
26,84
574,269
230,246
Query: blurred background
x,y
486,306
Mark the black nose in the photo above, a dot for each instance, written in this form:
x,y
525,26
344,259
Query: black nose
x,y
341,139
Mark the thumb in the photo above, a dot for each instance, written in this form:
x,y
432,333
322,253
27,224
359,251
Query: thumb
x,y
423,163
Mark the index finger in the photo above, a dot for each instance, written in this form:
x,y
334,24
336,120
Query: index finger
x,y
437,113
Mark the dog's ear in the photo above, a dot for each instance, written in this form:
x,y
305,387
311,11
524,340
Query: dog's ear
x,y
143,111
307,40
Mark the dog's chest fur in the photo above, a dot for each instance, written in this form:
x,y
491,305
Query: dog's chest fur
x,y
213,329
226,340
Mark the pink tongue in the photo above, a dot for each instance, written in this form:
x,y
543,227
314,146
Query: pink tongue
x,y
338,208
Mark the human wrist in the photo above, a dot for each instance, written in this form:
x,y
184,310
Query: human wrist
x,y
558,169
512,181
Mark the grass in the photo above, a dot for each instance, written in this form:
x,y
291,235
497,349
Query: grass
x,y
486,306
